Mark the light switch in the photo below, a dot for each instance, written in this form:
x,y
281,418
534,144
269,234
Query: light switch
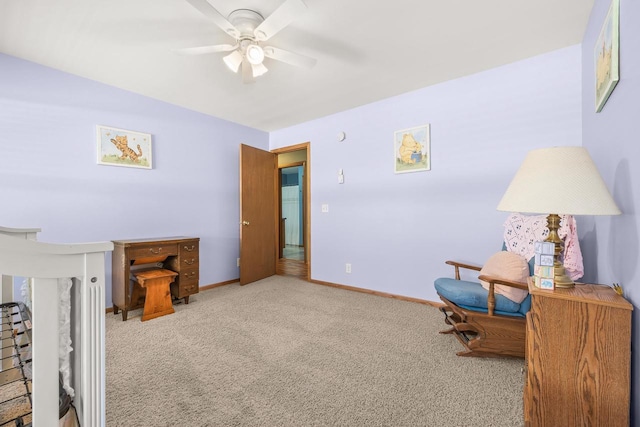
x,y
340,176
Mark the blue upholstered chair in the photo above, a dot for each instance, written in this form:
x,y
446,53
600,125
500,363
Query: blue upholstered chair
x,y
484,321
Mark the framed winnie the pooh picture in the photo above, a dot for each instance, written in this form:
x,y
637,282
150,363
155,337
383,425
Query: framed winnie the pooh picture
x,y
412,149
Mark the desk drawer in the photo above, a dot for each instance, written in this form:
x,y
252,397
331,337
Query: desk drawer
x,y
189,261
188,289
188,275
151,250
184,289
189,254
189,248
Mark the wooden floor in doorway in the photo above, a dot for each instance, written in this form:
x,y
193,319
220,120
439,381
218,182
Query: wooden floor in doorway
x,y
292,267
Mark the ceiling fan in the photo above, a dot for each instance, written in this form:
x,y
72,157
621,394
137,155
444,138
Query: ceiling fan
x,y
250,30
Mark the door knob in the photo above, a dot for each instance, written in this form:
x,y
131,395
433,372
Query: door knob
x,y
245,222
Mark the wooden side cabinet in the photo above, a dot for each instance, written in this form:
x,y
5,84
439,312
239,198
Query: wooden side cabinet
x,y
578,357
180,254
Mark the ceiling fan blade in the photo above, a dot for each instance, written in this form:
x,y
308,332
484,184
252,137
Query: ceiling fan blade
x,y
206,49
212,13
247,72
279,19
289,57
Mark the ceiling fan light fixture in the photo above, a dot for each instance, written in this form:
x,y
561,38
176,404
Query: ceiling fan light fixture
x,y
258,69
250,29
233,60
255,54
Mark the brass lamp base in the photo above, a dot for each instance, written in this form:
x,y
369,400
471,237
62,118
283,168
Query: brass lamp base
x,y
560,278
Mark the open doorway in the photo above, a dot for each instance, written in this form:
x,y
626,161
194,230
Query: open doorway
x,y
292,212
293,206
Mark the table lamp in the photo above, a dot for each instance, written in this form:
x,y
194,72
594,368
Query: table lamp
x,y
554,181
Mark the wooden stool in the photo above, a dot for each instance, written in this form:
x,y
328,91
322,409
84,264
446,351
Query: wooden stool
x,y
157,301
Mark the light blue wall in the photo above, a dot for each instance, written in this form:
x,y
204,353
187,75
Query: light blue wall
x,y
398,230
49,177
611,137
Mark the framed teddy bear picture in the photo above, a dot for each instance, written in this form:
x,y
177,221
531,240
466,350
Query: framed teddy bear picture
x,y
412,151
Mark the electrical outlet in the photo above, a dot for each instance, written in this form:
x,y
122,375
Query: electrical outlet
x,y
325,208
347,267
238,262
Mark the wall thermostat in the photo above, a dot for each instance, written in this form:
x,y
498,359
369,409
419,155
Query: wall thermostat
x,y
342,136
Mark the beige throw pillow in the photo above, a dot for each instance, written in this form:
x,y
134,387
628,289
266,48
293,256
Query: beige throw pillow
x,y
509,266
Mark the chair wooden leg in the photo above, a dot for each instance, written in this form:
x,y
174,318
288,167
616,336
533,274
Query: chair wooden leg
x,y
484,335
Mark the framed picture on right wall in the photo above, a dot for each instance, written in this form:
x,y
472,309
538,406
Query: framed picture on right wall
x,y
606,55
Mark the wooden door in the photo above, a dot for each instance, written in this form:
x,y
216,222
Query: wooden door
x,y
258,189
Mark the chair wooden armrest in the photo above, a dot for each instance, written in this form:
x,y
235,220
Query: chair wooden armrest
x,y
459,265
491,301
499,281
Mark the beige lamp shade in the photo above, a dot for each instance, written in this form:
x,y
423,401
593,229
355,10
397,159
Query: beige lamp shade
x,y
559,180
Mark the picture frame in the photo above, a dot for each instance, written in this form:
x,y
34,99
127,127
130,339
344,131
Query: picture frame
x,y
606,56
120,147
412,149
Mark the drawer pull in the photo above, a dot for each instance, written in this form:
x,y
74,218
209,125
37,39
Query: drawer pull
x,y
190,275
187,248
155,252
190,261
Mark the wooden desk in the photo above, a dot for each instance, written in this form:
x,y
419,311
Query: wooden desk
x,y
578,357
180,254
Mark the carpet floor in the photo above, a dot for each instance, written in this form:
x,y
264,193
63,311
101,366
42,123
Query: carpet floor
x,y
285,352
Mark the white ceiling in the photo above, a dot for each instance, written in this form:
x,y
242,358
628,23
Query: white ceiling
x,y
367,50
